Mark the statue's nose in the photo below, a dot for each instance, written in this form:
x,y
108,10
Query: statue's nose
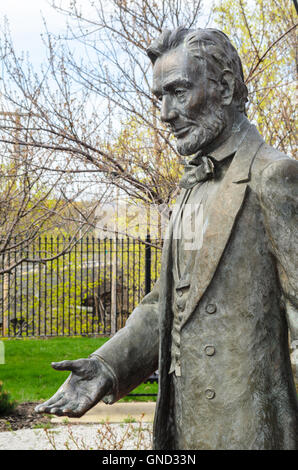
x,y
168,112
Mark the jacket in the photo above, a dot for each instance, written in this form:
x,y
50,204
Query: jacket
x,y
246,270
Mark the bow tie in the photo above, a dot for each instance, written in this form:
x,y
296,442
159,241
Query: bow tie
x,y
195,173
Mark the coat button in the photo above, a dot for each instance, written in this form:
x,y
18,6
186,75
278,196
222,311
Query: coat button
x,y
209,393
211,308
180,317
209,350
181,303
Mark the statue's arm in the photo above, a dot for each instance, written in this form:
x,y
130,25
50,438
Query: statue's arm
x,y
279,199
131,355
113,370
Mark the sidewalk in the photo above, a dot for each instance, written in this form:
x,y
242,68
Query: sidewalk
x,y
116,413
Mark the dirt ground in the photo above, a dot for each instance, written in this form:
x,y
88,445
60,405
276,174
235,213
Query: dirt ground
x,y
22,417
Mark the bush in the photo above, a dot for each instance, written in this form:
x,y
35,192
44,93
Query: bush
x,y
7,405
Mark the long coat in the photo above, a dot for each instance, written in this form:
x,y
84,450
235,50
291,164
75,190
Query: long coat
x,y
244,274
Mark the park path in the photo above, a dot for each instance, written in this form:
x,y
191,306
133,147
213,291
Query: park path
x,y
123,426
80,437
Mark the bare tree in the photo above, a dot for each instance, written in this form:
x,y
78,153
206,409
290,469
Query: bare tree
x,y
94,110
93,120
265,36
33,202
36,194
87,122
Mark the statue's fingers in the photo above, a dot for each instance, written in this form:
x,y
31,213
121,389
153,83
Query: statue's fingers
x,y
43,406
64,365
56,411
50,409
78,409
39,408
77,366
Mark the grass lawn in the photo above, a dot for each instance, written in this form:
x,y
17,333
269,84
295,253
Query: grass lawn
x,y
28,376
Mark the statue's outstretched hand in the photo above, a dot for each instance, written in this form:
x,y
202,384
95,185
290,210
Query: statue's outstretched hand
x,y
87,384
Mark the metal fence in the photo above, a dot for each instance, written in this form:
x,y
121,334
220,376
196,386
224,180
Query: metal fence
x,y
91,289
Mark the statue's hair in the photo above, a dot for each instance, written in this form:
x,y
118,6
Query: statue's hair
x,y
211,48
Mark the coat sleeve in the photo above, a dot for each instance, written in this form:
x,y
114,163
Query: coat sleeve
x,y
131,355
279,200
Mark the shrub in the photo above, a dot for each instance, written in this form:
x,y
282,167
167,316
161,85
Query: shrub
x,y
7,405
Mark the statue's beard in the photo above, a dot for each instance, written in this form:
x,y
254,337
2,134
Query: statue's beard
x,y
204,130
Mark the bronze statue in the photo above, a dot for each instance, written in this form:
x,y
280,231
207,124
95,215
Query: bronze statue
x,y
216,323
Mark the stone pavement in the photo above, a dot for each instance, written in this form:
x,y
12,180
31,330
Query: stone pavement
x,y
116,413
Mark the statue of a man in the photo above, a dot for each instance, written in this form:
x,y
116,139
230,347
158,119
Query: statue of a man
x,y
216,323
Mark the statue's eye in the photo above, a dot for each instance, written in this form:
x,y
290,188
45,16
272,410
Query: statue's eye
x,y
179,92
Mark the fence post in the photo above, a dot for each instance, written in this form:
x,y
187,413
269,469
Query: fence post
x,y
5,312
148,264
114,287
5,294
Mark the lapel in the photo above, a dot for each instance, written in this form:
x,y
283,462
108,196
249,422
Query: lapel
x,y
170,231
167,260
221,217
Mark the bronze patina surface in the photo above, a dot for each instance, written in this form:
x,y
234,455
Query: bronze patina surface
x,y
216,323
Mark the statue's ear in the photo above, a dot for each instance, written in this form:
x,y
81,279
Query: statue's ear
x,y
227,87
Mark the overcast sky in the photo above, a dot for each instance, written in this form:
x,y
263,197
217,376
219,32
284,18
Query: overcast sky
x,y
26,24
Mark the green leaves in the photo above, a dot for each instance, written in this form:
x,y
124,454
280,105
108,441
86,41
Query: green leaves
x,y
7,405
264,36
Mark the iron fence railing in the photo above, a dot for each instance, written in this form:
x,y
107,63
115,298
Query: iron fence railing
x,y
90,289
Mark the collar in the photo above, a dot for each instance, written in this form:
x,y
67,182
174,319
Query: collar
x,y
229,147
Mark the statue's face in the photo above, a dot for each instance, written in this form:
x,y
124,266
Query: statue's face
x,y
190,101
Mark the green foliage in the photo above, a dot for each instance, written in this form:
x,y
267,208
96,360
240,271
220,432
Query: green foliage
x,y
28,375
143,388
7,405
146,156
50,296
263,33
129,419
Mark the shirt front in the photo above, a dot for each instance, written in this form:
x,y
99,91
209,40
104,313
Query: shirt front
x,y
188,233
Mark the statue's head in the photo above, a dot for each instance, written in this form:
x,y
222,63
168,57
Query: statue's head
x,y
198,77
